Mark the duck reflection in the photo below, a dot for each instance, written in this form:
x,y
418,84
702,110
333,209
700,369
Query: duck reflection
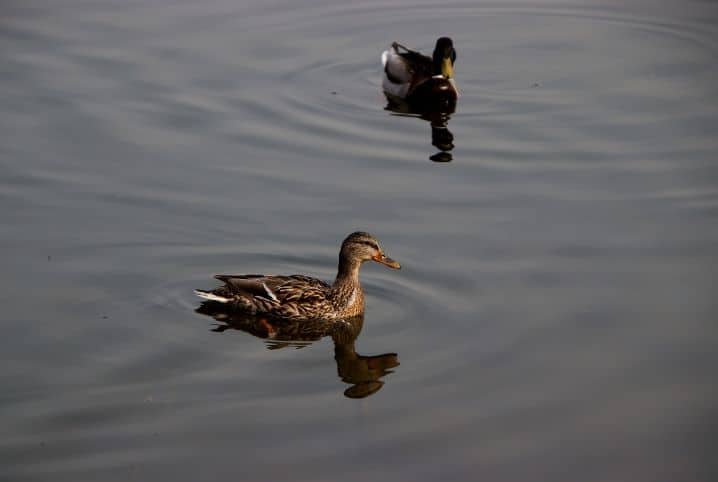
x,y
363,373
436,115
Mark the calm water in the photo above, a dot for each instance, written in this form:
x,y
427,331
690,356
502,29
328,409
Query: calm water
x,y
555,316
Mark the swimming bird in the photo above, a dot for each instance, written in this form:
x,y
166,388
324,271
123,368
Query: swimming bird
x,y
416,78
298,297
364,373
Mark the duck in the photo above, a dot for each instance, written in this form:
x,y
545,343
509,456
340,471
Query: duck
x,y
416,78
364,373
299,297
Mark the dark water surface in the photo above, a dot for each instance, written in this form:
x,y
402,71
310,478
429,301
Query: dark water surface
x,y
555,317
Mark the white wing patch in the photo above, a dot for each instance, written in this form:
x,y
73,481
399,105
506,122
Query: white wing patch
x,y
270,293
211,296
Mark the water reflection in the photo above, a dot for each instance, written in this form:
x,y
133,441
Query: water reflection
x,y
363,373
437,116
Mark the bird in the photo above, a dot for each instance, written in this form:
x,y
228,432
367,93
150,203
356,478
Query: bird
x,y
416,78
299,297
363,372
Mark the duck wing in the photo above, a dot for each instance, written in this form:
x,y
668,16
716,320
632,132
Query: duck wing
x,y
277,289
404,69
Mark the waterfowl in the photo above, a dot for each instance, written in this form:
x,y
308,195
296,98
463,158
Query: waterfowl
x,y
414,77
364,373
298,297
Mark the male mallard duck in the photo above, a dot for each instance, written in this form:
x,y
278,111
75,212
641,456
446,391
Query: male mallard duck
x,y
299,297
414,77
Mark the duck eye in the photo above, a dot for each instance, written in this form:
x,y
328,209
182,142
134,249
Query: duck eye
x,y
370,244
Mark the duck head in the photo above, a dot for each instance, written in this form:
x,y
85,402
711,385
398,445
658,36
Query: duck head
x,y
360,246
444,57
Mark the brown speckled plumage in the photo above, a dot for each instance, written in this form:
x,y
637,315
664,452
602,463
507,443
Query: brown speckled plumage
x,y
299,297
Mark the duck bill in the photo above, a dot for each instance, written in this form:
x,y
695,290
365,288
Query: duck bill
x,y
385,260
447,68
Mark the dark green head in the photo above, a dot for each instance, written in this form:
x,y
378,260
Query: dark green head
x,y
444,57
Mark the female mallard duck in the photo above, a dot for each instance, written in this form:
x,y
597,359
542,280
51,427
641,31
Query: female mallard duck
x,y
414,77
299,297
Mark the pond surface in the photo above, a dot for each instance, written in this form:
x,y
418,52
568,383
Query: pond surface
x,y
555,315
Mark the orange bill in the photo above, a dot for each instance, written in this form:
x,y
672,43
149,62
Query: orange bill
x,y
383,259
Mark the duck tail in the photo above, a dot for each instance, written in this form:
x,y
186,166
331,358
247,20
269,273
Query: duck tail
x,y
397,46
392,50
208,295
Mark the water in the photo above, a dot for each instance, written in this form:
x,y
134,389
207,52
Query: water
x,y
554,317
